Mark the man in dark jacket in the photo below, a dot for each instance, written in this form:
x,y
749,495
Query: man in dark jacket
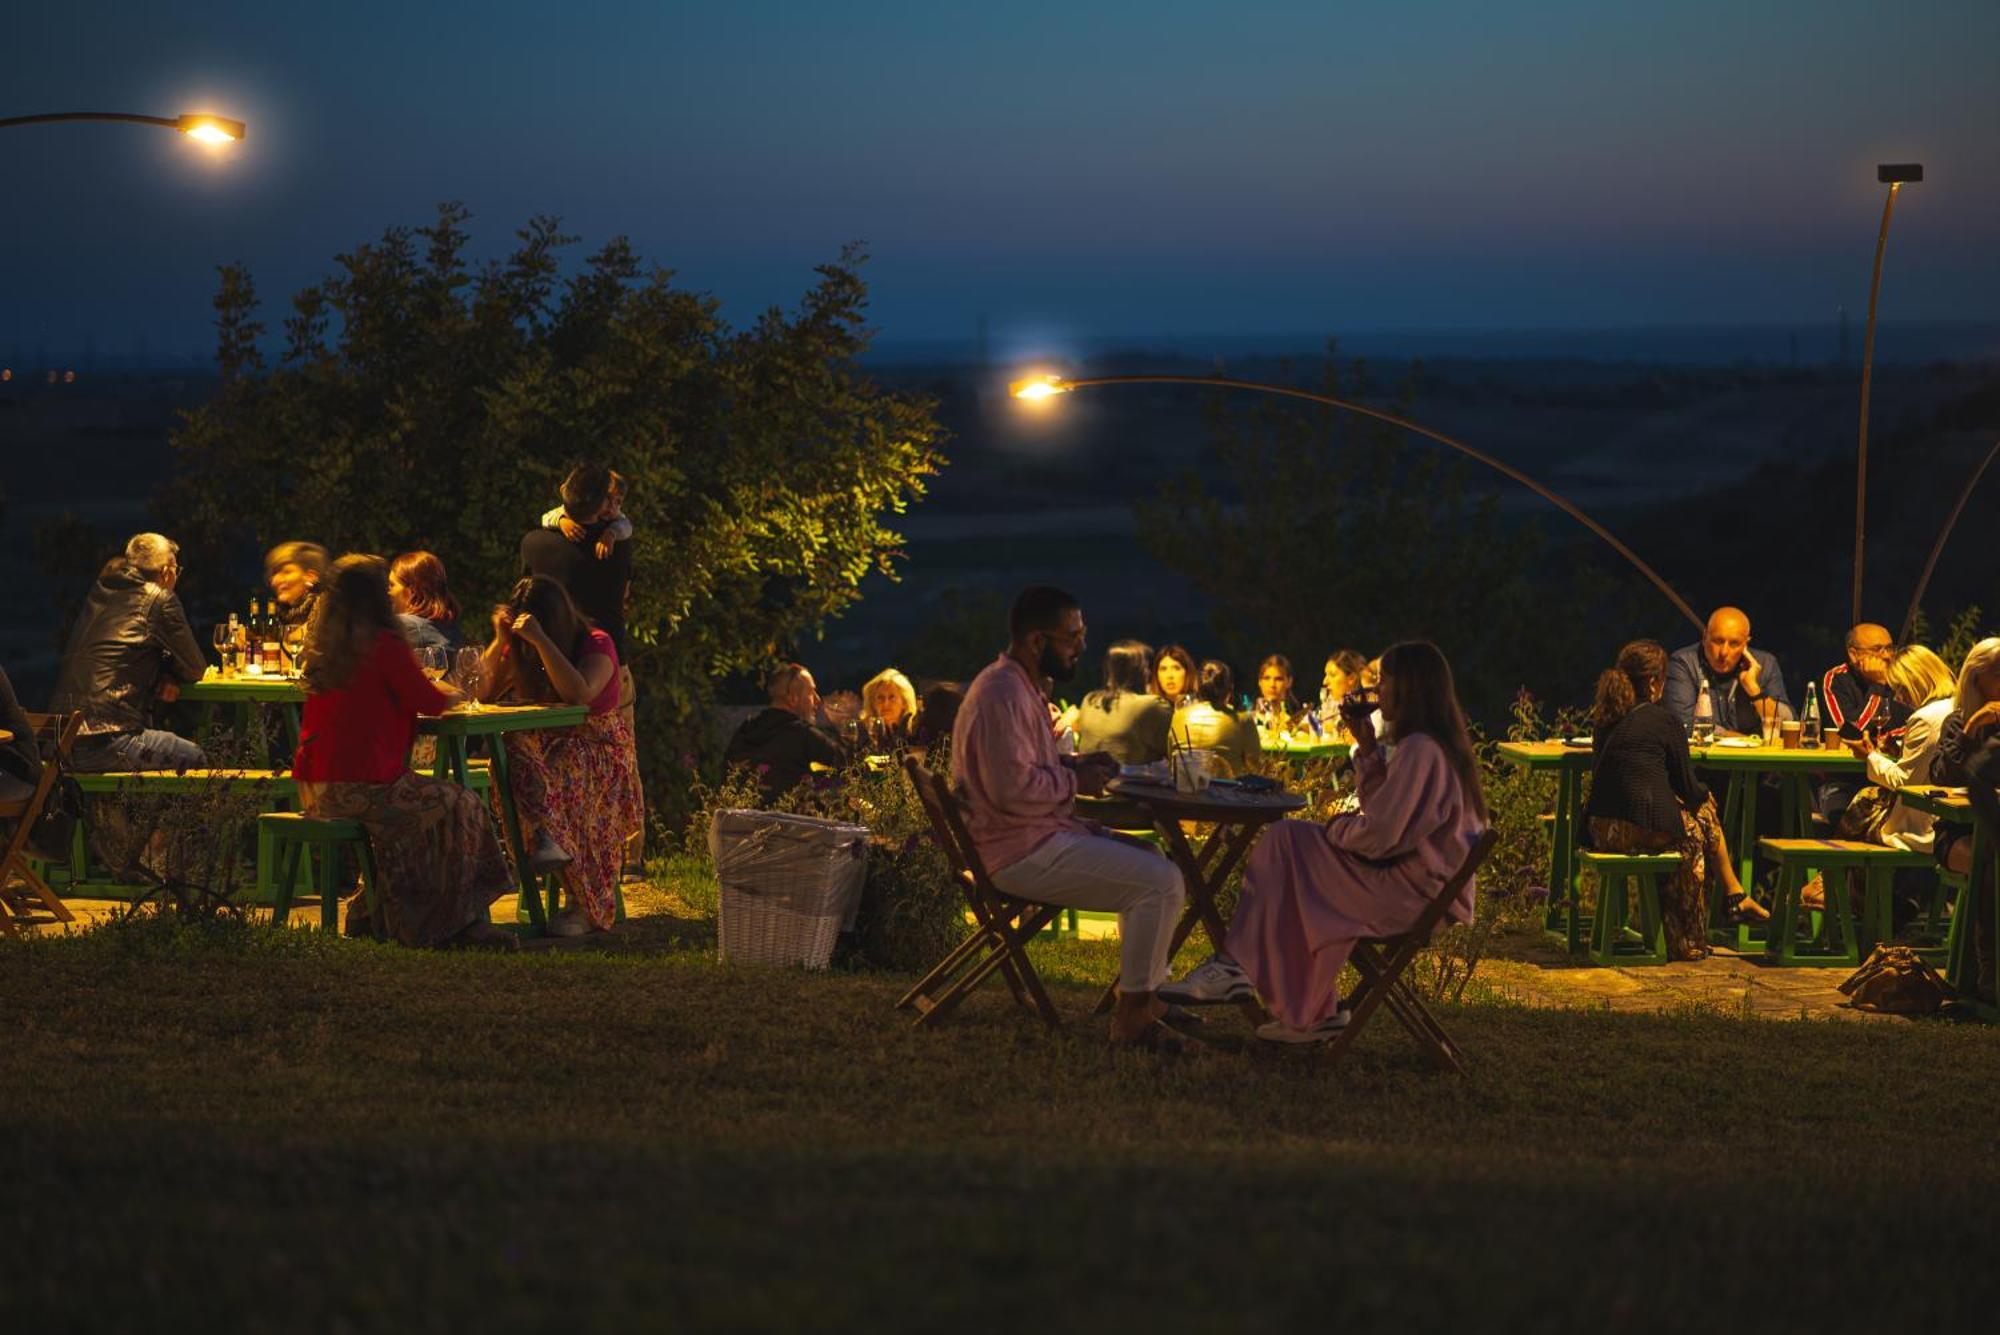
x,y
782,744
131,644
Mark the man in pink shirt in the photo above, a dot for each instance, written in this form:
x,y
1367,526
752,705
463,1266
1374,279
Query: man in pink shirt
x,y
1019,795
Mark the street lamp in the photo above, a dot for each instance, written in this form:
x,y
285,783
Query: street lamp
x,y
1043,387
195,125
1893,175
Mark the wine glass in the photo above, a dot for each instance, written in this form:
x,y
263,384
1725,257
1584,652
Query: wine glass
x,y
467,668
432,660
225,645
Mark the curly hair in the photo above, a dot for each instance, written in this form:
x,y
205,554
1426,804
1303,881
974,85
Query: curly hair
x,y
1629,683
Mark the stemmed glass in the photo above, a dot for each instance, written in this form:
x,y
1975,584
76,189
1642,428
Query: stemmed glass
x,y
432,660
225,646
466,668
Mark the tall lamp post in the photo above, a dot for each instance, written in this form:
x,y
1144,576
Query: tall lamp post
x,y
1893,175
195,125
1048,386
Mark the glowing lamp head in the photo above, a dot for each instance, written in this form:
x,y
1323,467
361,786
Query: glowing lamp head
x,y
1038,387
210,129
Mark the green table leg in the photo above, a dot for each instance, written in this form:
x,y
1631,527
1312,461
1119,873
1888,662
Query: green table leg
x,y
510,824
1563,917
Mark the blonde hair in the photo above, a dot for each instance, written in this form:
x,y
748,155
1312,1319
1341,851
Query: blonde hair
x,y
1981,659
1918,676
889,677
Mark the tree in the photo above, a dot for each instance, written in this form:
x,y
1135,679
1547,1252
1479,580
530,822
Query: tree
x,y
1345,532
421,401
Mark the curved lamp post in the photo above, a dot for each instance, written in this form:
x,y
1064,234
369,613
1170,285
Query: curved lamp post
x,y
1944,534
1048,386
1893,175
197,126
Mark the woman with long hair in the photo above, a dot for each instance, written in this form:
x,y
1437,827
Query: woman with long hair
x,y
1645,798
1174,675
1125,719
1276,706
1211,721
425,608
1969,757
1310,891
576,787
437,857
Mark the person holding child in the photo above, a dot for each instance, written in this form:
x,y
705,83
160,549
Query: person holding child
x,y
585,545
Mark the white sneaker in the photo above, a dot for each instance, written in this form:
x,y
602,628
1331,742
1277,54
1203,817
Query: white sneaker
x,y
569,922
1277,1031
548,855
1209,984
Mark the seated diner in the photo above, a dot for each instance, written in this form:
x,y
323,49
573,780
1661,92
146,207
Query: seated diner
x,y
576,788
1311,891
437,855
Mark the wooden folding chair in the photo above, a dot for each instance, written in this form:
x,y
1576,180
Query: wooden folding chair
x,y
1382,960
1003,924
54,735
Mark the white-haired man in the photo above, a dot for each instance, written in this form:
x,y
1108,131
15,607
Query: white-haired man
x,y
131,645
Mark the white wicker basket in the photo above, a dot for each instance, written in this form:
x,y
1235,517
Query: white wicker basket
x,y
790,885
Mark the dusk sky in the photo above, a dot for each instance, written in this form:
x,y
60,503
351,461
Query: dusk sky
x,y
1068,170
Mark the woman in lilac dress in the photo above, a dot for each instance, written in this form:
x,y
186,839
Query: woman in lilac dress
x,y
1312,891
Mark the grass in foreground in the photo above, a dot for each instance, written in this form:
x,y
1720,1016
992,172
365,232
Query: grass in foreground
x,y
265,1131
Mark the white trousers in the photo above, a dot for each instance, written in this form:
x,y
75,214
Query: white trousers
x,y
1084,871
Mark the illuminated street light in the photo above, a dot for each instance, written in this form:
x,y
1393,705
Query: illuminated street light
x,y
198,126
1894,175
1042,387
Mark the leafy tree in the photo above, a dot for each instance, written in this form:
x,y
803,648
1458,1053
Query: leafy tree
x,y
424,401
1345,532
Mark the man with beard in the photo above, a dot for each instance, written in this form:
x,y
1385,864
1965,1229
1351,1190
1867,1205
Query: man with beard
x,y
1019,795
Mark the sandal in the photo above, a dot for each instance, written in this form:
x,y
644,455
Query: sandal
x,y
1158,1038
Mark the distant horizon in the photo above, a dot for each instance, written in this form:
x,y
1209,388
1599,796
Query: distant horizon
x,y
1719,344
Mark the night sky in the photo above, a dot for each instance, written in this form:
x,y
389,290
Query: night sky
x,y
1139,169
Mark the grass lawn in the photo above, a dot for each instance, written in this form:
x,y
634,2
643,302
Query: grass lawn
x,y
273,1131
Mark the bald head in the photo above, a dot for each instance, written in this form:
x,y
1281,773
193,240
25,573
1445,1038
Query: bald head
x,y
793,689
1869,648
1726,639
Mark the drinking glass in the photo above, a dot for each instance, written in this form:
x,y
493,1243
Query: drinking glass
x,y
225,647
466,666
432,660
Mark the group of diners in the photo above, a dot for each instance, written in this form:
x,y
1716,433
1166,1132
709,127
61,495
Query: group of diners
x,y
1311,890
357,620
1897,708
1151,702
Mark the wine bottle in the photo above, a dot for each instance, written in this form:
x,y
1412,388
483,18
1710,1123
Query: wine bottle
x,y
271,652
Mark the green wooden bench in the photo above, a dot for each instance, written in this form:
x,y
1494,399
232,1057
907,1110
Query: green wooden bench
x,y
1622,877
1797,860
285,840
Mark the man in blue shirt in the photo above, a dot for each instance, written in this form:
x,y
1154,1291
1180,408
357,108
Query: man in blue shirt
x,y
1744,684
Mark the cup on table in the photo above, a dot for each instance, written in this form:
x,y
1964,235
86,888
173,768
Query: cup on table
x,y
1190,770
1788,734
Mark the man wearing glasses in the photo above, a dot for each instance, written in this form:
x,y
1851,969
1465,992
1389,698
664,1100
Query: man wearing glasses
x,y
131,645
1019,795
1857,696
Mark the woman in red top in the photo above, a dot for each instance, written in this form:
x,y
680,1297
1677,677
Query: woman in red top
x,y
578,787
436,854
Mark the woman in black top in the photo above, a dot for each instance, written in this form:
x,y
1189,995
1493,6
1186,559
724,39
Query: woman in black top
x,y
1644,797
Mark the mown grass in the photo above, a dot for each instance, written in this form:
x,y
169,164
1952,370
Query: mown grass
x,y
249,1130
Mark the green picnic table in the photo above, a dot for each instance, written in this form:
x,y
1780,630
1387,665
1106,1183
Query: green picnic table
x,y
454,730
1307,749
1743,760
243,696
